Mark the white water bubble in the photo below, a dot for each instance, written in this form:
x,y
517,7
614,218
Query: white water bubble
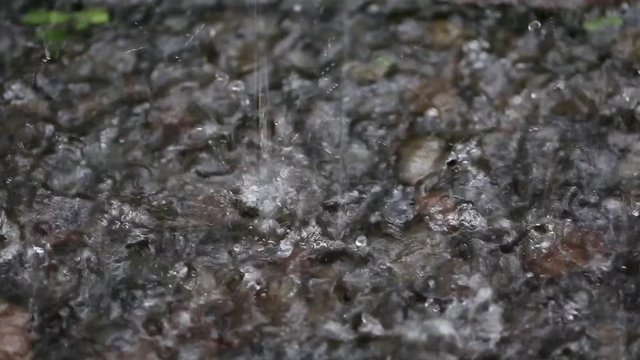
x,y
285,248
236,86
361,241
534,25
222,78
432,112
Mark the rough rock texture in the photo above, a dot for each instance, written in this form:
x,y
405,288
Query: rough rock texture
x,y
280,179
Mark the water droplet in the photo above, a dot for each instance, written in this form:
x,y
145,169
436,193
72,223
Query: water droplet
x,y
432,112
560,85
431,305
375,217
285,248
222,78
236,86
361,241
534,25
38,250
297,8
373,9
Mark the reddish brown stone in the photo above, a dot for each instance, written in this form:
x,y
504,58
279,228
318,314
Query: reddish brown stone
x,y
15,339
550,264
627,45
419,158
581,245
576,249
435,203
135,88
68,241
434,93
444,34
172,115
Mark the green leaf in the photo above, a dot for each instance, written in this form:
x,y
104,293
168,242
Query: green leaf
x,y
80,24
602,23
81,19
36,17
52,34
44,17
58,17
93,16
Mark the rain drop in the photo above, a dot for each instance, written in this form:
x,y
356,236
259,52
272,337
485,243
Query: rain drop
x,y
361,241
222,78
534,25
432,112
236,86
285,249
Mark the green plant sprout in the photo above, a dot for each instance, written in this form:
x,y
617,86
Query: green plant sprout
x,y
53,25
602,23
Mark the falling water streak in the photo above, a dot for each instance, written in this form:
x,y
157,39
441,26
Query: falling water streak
x,y
261,69
135,49
342,179
190,40
263,106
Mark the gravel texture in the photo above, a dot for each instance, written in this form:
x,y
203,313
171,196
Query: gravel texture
x,y
277,179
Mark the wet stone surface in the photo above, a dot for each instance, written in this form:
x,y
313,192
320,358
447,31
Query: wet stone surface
x,y
322,179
